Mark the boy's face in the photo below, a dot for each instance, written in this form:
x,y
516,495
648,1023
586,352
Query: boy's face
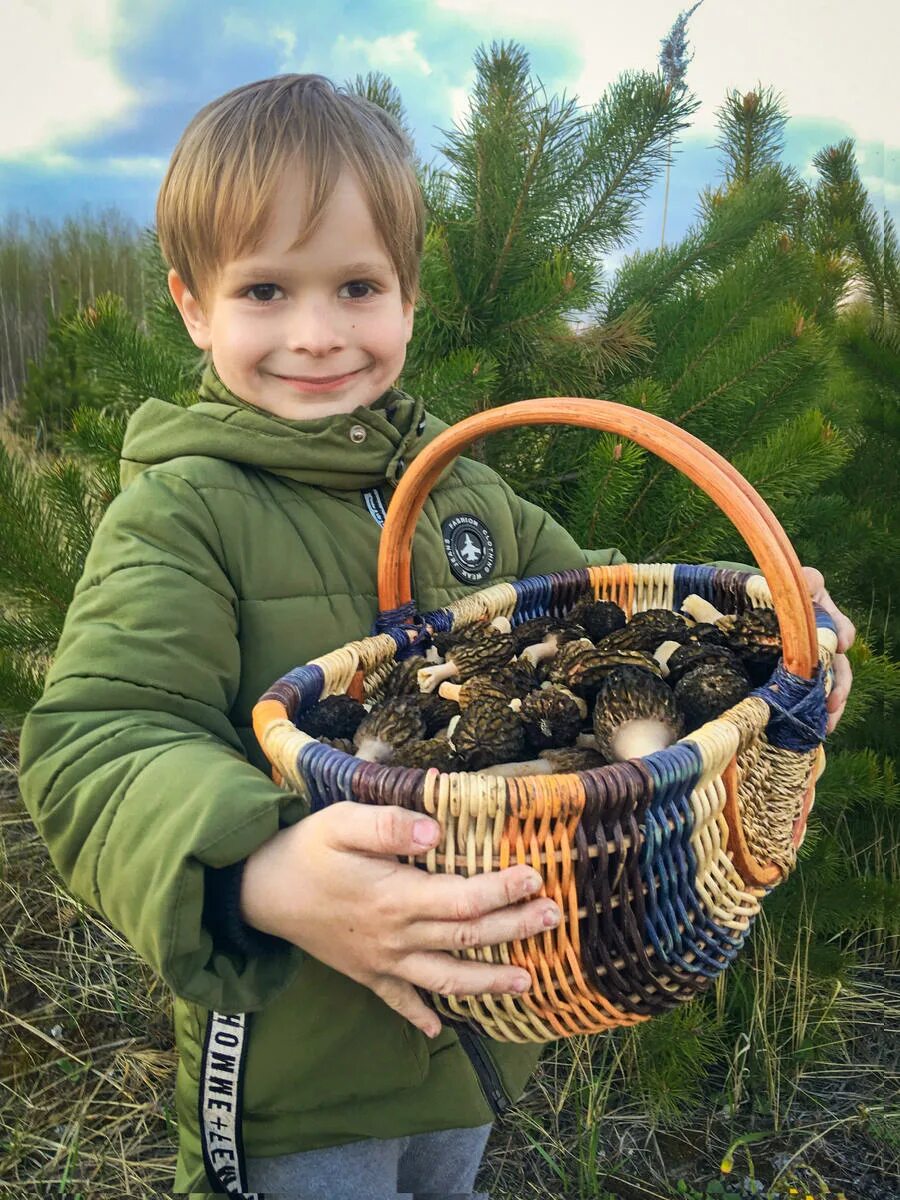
x,y
313,332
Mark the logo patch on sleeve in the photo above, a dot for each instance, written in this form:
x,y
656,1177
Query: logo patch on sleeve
x,y
470,548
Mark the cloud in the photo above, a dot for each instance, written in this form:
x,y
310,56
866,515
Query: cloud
x,y
384,53
58,80
133,166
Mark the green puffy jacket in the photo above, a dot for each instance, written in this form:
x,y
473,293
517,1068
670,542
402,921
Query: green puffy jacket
x,y
242,545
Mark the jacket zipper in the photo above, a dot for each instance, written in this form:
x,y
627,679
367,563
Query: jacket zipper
x,y
485,1071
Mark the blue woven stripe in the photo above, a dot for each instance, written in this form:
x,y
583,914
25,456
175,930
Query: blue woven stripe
x,y
669,869
533,597
297,690
694,580
328,773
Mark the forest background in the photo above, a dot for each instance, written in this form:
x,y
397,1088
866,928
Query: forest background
x,y
781,1081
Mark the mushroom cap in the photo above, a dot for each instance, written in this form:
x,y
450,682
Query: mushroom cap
x,y
586,673
755,637
598,618
433,752
481,655
332,717
402,681
551,717
387,726
709,690
646,630
572,758
693,654
634,701
488,732
704,631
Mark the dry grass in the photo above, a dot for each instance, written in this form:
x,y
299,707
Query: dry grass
x,y
88,1065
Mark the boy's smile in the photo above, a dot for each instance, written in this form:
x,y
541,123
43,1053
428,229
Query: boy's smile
x,y
311,332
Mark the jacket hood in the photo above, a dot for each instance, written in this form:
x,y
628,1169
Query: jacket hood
x,y
321,452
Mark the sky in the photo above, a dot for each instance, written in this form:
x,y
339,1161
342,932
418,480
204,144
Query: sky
x,y
94,94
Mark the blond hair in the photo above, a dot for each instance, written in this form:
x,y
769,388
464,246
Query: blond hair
x,y
214,202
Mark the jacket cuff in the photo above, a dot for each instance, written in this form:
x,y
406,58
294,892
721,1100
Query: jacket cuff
x,y
222,915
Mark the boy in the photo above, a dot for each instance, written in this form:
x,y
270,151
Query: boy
x,y
243,543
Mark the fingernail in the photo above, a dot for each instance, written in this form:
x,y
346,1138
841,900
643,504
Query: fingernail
x,y
425,833
522,984
551,917
532,884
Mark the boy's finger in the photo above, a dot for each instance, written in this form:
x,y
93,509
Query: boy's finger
x,y
380,829
455,898
507,924
449,976
403,998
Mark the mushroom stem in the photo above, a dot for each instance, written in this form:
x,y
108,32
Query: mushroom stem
x,y
586,741
503,624
430,678
663,653
536,766
701,610
639,737
538,651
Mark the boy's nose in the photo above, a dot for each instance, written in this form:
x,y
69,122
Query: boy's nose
x,y
317,329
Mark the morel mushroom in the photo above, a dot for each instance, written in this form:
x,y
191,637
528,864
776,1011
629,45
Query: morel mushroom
x,y
551,762
756,638
552,716
635,714
598,618
709,690
334,717
469,658
694,654
436,711
387,727
556,635
585,673
433,752
487,732
344,744
478,687
753,635
402,679
646,630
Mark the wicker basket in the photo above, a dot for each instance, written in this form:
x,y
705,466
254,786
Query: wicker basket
x,y
658,864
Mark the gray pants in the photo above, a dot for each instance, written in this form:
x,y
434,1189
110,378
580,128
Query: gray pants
x,y
424,1166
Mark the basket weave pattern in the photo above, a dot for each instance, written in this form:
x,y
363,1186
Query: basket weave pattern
x,y
658,864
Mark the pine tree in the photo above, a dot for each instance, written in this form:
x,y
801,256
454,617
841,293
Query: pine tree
x,y
674,63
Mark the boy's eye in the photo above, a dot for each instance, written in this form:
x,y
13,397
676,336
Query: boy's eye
x,y
262,287
358,283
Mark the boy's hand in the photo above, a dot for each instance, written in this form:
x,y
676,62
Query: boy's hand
x,y
846,635
332,884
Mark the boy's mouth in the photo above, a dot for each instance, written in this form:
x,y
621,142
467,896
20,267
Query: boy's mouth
x,y
317,383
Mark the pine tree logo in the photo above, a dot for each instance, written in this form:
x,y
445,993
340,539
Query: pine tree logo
x,y
470,547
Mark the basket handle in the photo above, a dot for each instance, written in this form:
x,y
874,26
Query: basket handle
x,y
746,509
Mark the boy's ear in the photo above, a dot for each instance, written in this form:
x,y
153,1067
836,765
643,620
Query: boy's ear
x,y
409,312
191,312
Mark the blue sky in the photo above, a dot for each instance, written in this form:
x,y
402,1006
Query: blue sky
x,y
95,93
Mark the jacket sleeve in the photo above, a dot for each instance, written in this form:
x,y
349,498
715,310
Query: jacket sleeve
x,y
130,767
